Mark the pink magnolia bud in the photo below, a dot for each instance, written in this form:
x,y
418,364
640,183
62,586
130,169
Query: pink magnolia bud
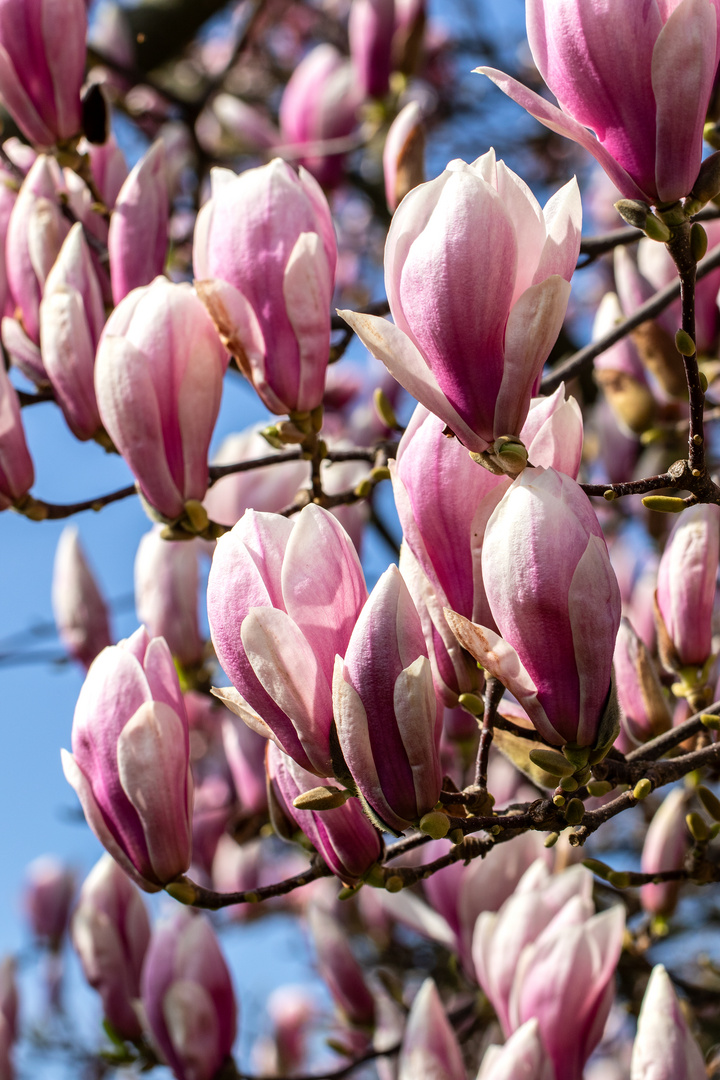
x,y
555,600
236,868
188,997
344,837
546,935
471,333
167,576
138,236
444,501
36,231
130,765
523,1057
645,711
267,489
664,1048
291,1012
110,932
264,257
686,587
49,892
283,598
403,154
158,379
387,715
640,76
42,66
16,468
213,808
319,105
72,317
370,30
249,127
429,1048
109,168
339,968
81,614
460,893
245,753
500,938
666,844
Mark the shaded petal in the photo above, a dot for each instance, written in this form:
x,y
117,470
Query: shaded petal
x,y
687,43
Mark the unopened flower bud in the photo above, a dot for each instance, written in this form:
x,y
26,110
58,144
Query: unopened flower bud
x,y
552,762
684,343
642,789
633,211
710,801
322,798
656,229
664,504
698,241
435,824
698,826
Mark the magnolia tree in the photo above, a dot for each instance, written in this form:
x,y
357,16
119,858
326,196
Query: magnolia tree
x,y
532,681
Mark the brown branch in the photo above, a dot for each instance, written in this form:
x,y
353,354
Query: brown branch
x,y
188,892
661,744
680,249
595,246
652,307
494,691
632,487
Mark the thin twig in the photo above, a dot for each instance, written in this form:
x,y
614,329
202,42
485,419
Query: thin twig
x,y
494,691
652,307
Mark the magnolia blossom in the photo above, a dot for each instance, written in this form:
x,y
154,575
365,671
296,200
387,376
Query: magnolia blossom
x,y
167,575
523,1057
477,278
130,765
370,30
444,501
158,379
545,935
110,933
138,236
639,74
283,597
555,600
188,997
387,716
429,1048
71,321
264,256
17,474
49,891
42,66
403,154
81,614
685,595
666,844
319,105
347,841
664,1048
339,968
